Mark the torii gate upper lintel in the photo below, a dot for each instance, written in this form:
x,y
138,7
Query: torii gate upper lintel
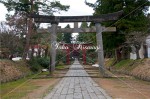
x,y
54,20
64,19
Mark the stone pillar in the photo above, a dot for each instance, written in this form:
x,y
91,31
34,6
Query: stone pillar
x,y
53,42
100,49
141,51
133,54
76,25
148,46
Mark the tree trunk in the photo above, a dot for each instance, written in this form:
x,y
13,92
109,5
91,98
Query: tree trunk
x,y
29,32
46,51
117,55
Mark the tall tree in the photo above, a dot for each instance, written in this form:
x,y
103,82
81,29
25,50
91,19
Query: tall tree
x,y
67,37
81,36
133,19
23,8
39,6
86,37
11,42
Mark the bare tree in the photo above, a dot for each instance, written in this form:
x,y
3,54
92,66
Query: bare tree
x,y
11,42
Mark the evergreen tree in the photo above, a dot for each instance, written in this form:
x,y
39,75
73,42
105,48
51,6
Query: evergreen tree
x,y
82,36
86,37
133,19
38,6
67,37
134,13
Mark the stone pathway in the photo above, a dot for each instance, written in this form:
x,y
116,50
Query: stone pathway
x,y
77,85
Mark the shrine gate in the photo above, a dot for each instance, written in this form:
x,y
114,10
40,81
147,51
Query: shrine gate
x,y
74,49
54,20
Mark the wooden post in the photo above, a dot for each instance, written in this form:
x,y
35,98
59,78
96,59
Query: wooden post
x,y
53,47
100,50
84,55
68,55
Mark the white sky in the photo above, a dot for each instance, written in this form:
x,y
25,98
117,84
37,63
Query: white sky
x,y
77,7
3,12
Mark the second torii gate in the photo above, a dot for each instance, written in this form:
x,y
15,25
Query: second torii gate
x,y
54,20
70,48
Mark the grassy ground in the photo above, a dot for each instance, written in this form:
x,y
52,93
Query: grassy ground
x,y
60,67
16,89
109,62
123,63
20,88
138,68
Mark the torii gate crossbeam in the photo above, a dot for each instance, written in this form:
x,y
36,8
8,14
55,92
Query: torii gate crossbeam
x,y
64,19
78,30
98,29
54,20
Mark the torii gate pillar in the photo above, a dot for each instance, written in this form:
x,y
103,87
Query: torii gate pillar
x,y
53,47
100,50
55,19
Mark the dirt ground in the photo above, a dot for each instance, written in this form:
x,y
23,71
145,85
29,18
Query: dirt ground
x,y
123,87
44,85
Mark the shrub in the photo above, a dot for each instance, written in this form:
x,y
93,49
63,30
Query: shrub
x,y
44,62
91,56
34,65
60,58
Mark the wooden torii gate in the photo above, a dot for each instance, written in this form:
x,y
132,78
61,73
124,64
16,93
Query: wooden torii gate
x,y
70,48
77,30
54,20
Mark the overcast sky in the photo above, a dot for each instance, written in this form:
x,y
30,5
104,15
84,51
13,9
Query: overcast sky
x,y
3,12
77,7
